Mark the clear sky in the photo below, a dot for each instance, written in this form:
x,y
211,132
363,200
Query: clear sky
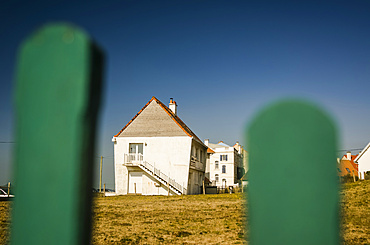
x,y
221,61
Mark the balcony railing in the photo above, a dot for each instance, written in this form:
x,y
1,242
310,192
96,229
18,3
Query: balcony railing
x,y
194,162
133,158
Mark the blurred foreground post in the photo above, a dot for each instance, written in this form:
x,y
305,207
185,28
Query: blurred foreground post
x,y
293,185
57,95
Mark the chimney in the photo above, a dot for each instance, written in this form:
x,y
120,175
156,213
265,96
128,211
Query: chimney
x,y
173,106
206,142
349,155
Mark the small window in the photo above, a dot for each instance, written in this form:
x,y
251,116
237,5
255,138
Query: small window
x,y
348,170
216,177
223,157
339,170
224,169
216,164
136,148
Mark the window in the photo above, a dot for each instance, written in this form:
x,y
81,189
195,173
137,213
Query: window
x,y
348,170
216,177
223,169
135,152
216,164
223,157
339,170
136,148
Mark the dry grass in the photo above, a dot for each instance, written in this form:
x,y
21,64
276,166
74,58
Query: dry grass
x,y
170,220
356,212
4,221
212,219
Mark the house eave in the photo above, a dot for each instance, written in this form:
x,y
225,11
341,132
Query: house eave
x,y
362,153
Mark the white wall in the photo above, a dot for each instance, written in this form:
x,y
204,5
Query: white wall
x,y
230,174
171,155
364,163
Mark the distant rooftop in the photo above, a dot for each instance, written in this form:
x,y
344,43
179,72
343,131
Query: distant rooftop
x,y
218,145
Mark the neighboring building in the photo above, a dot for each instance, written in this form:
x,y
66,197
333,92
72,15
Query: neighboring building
x,y
208,162
157,154
244,156
224,165
363,161
347,165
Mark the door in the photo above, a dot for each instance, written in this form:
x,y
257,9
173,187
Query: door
x,y
135,183
136,151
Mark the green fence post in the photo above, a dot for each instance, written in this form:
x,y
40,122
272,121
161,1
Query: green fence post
x,y
293,194
57,95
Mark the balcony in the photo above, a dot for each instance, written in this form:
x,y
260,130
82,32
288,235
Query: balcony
x,y
133,159
195,163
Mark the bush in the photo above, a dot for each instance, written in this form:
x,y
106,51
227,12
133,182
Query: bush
x,y
347,178
367,175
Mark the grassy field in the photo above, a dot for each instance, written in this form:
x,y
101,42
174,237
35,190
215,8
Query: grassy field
x,y
355,223
201,219
172,220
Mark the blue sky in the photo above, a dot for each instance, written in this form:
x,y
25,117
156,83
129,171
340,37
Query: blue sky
x,y
222,61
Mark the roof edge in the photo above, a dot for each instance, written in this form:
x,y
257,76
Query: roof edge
x,y
174,117
137,114
177,119
362,152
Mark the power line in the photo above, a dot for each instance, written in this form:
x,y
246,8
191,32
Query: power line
x,y
352,149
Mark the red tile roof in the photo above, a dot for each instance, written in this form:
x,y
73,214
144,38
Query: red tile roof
x,y
352,161
209,150
174,117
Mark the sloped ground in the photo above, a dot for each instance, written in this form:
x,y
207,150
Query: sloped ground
x,y
201,219
356,212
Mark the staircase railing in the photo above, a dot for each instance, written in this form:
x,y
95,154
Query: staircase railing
x,y
136,159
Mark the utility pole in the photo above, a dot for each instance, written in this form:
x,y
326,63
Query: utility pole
x,y
101,170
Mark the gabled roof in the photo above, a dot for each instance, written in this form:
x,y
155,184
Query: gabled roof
x,y
352,160
362,152
218,145
174,117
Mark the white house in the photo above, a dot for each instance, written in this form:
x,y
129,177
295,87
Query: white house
x,y
363,161
224,166
157,154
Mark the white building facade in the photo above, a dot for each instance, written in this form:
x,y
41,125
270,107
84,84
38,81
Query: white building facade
x,y
157,154
224,166
363,161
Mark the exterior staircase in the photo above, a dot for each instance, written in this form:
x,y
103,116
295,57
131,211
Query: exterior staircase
x,y
137,160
